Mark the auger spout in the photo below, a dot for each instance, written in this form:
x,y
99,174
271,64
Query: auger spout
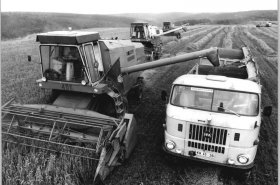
x,y
212,54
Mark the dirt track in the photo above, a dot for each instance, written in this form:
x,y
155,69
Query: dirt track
x,y
150,165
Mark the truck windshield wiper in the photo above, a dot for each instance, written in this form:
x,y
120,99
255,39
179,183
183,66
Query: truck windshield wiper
x,y
229,111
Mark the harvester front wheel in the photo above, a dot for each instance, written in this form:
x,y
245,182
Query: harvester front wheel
x,y
178,36
104,104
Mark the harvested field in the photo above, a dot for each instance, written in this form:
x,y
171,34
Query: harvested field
x,y
148,163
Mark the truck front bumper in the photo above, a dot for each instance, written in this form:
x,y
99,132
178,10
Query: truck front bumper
x,y
243,167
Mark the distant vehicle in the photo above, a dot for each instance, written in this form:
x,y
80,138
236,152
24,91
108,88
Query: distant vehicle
x,y
264,24
168,26
149,36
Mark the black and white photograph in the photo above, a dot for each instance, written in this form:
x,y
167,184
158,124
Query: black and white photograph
x,y
139,92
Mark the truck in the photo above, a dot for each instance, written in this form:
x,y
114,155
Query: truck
x,y
214,112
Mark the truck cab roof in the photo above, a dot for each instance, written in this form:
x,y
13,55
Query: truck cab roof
x,y
67,37
218,82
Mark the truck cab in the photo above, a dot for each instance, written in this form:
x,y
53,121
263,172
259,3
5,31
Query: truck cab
x,y
214,114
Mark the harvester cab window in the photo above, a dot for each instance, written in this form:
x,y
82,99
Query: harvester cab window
x,y
92,63
138,32
62,63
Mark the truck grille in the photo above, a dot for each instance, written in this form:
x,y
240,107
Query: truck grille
x,y
211,148
208,134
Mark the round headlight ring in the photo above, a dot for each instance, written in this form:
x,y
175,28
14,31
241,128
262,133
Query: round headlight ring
x,y
170,145
243,158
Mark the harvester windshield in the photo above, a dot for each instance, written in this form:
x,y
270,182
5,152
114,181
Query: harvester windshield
x,y
64,63
233,102
138,31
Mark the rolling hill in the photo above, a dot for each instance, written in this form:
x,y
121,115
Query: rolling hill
x,y
20,24
16,24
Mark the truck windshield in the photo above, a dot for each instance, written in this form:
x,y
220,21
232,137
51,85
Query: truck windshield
x,y
62,63
233,102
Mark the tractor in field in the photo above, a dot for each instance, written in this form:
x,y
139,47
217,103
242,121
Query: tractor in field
x,y
92,80
149,36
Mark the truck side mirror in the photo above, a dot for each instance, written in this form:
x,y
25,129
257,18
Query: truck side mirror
x,y
29,58
267,111
163,95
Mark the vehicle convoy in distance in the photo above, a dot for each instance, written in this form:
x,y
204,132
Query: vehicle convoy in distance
x,y
214,111
264,24
93,80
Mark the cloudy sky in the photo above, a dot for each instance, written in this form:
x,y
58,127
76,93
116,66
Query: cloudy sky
x,y
136,6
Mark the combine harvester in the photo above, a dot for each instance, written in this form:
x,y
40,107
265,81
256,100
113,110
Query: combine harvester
x,y
169,29
92,80
149,36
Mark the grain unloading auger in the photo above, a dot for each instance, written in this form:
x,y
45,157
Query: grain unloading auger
x,y
93,81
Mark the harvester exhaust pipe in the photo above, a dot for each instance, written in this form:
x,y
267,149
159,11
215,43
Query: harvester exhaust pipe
x,y
212,54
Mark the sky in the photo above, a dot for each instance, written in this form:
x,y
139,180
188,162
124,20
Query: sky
x,y
136,6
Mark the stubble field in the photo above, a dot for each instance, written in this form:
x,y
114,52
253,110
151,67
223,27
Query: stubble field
x,y
148,164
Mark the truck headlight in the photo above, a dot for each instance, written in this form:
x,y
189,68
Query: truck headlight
x,y
170,145
242,158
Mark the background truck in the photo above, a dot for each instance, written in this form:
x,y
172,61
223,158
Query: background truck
x,y
214,111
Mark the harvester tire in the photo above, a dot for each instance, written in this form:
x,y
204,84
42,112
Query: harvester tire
x,y
178,36
104,104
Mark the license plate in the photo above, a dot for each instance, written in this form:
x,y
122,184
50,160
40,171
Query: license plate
x,y
204,154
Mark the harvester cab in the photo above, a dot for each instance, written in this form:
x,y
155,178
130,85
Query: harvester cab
x,y
167,26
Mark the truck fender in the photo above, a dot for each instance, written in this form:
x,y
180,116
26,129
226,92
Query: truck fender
x,y
130,135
